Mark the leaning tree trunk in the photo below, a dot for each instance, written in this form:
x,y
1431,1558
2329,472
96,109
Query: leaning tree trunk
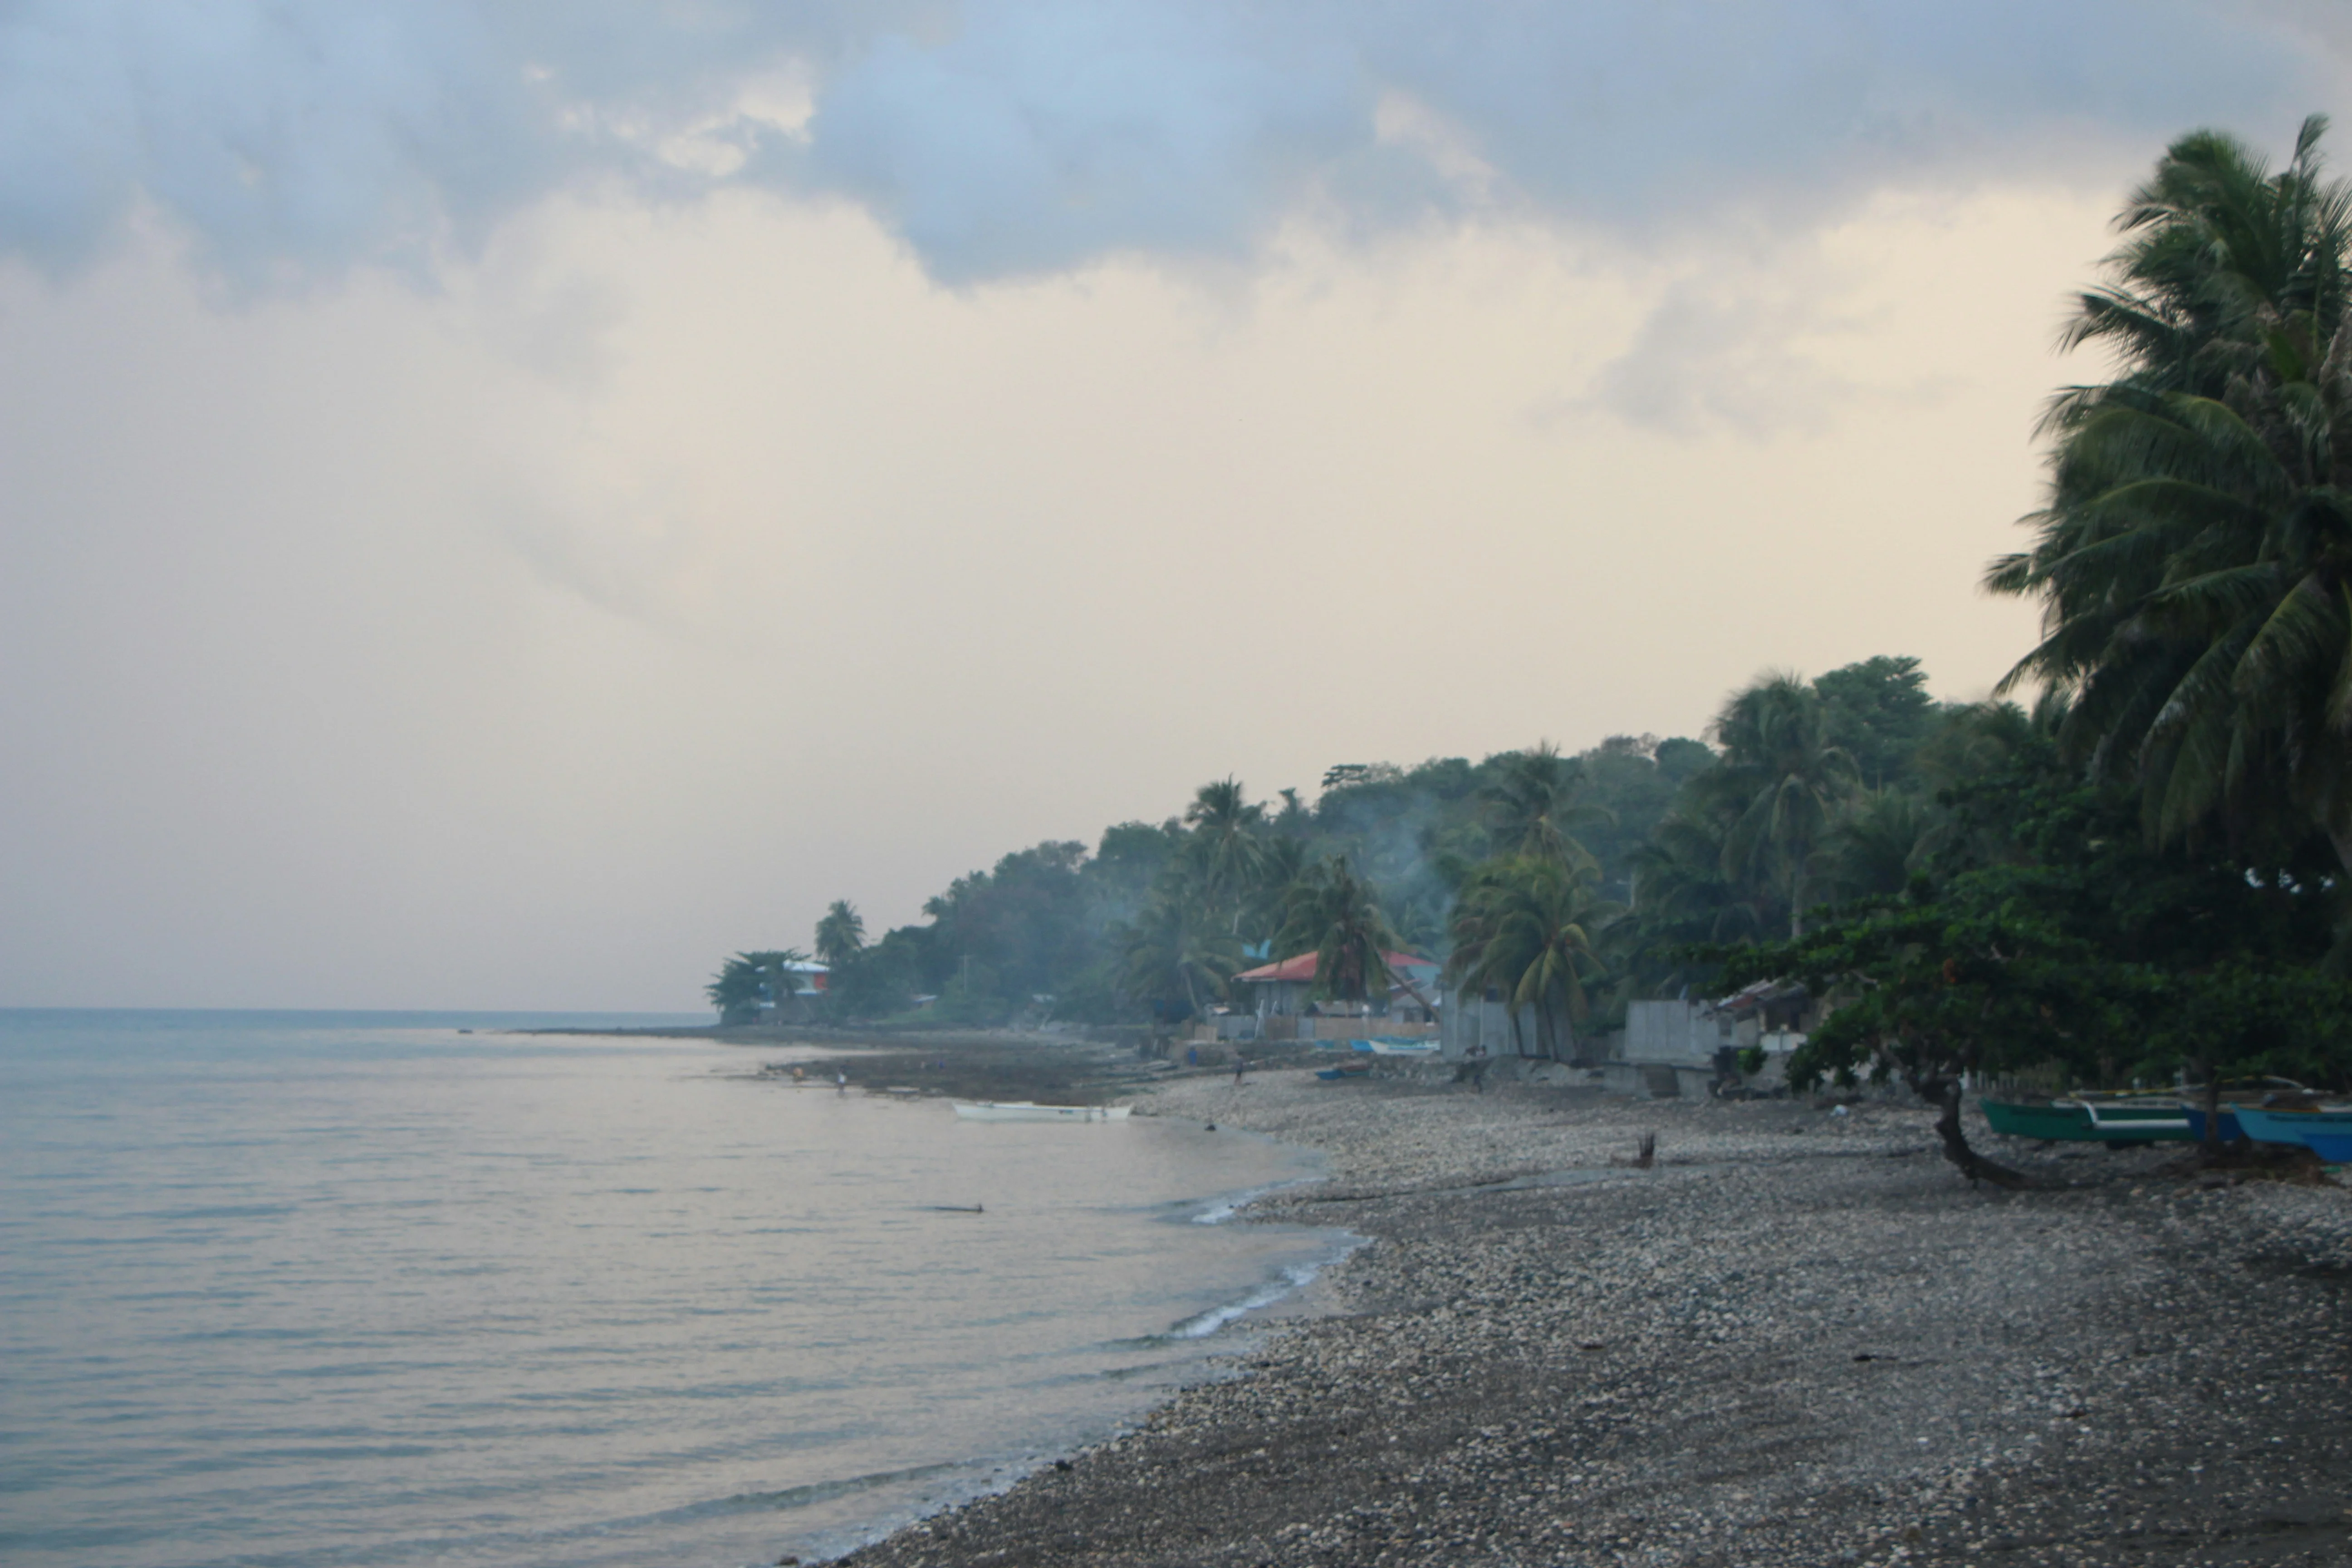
x,y
1944,1093
2210,1150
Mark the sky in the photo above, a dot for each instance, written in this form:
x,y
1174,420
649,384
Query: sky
x,y
501,505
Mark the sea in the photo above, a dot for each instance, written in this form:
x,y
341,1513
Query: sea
x,y
383,1289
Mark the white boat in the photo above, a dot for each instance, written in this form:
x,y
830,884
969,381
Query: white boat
x,y
1025,1110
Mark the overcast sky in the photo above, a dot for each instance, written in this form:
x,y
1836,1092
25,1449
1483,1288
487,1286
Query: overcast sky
x,y
503,504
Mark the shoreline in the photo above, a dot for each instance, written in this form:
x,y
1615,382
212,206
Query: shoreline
x,y
1801,1339
963,1064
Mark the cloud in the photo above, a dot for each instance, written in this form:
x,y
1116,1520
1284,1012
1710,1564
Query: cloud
x,y
293,140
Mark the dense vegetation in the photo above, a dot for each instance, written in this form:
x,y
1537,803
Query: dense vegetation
x,y
1812,793
2142,875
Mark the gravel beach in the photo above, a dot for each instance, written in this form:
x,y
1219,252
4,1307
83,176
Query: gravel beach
x,y
1799,1339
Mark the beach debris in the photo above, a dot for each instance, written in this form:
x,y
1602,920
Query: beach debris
x,y
1646,1152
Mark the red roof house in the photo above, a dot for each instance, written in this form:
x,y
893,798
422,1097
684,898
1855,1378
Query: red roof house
x,y
1281,989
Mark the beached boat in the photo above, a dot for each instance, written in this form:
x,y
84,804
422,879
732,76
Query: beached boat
x,y
2263,1093
2090,1119
1394,1048
2231,1130
1025,1111
1352,1069
2325,1130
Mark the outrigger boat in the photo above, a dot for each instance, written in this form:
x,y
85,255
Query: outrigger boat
x,y
2268,1093
1026,1111
2129,1118
2091,1119
1394,1048
2325,1130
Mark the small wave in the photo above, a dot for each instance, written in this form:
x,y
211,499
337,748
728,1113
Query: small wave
x,y
825,1491
1224,1209
1201,1325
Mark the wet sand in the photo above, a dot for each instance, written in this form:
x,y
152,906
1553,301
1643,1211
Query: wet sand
x,y
1800,1339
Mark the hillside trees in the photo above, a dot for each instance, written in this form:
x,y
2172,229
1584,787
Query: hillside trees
x,y
1527,925
749,979
1335,914
1181,950
841,934
2054,934
1779,786
1706,847
1532,805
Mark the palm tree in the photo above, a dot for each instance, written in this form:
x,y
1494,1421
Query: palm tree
x,y
2195,559
1226,845
1877,844
1528,925
749,978
736,990
1778,785
841,934
1338,913
1679,882
1281,862
1530,802
1178,949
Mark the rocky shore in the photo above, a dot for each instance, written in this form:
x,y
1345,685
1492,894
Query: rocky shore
x,y
1796,1339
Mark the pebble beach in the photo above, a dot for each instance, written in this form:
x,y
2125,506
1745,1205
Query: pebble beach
x,y
1798,1337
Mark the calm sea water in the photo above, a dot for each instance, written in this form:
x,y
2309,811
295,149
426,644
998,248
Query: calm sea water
x,y
304,1288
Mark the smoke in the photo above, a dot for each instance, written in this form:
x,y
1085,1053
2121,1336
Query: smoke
x,y
290,140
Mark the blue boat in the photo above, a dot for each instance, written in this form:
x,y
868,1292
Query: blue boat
x,y
2326,1133
2231,1130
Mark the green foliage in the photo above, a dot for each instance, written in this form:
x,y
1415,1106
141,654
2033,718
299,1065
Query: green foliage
x,y
1532,807
1336,914
750,979
2194,562
2054,934
1628,785
1227,844
1026,923
1707,850
840,934
1131,857
737,990
878,979
1527,925
1878,712
1180,954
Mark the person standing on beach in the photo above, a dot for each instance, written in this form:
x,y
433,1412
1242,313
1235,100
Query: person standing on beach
x,y
1241,1065
1476,1059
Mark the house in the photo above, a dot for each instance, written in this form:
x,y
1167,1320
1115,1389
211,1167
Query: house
x,y
800,1006
1284,990
1686,1047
